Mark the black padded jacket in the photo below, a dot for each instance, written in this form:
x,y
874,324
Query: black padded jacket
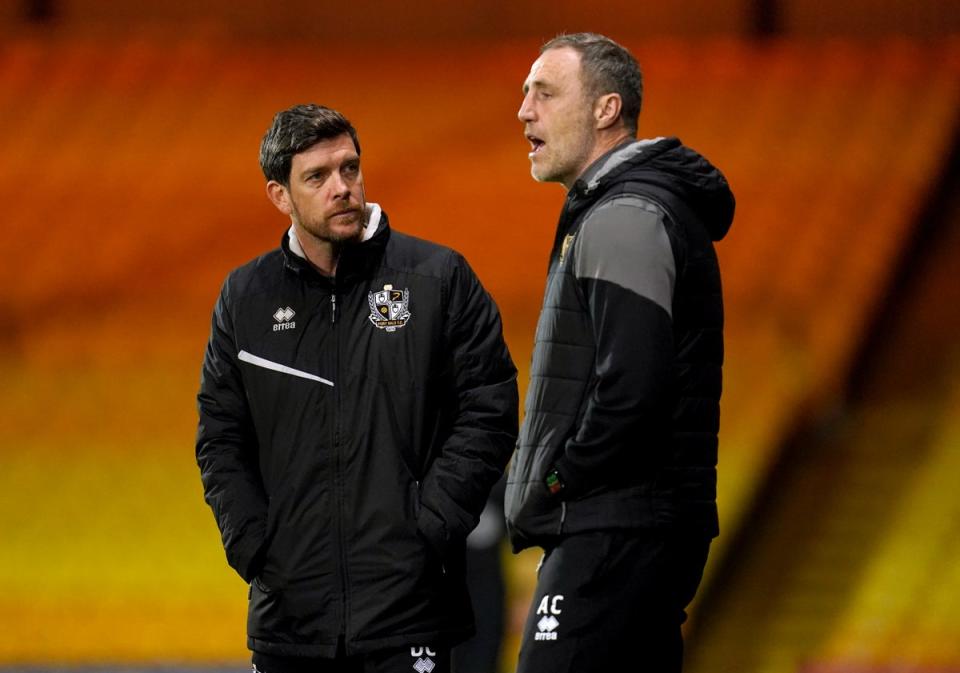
x,y
350,432
622,411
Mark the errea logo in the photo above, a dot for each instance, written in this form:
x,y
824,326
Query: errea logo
x,y
423,663
284,318
549,607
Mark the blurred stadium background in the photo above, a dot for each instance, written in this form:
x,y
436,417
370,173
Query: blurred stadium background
x,y
129,186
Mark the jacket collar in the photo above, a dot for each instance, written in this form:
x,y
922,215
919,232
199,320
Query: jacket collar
x,y
607,165
356,259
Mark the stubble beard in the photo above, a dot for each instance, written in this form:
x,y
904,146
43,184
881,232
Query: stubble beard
x,y
324,232
567,161
554,171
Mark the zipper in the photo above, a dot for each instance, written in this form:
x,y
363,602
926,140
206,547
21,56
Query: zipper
x,y
338,475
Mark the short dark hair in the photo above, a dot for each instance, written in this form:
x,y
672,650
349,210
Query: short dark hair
x,y
606,67
297,129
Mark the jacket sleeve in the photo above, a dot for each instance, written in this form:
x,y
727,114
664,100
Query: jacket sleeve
x,y
625,267
227,449
483,410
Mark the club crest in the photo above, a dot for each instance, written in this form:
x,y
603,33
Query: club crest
x,y
389,308
565,246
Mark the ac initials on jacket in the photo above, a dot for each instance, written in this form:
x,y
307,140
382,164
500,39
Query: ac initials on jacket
x,y
549,606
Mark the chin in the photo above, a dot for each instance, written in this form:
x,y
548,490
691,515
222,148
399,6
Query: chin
x,y
539,173
347,235
543,176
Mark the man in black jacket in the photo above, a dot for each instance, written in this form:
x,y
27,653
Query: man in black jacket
x,y
615,470
357,404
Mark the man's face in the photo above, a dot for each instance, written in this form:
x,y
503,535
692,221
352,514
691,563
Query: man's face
x,y
557,117
325,196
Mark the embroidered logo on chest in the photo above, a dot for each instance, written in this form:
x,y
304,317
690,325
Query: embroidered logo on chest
x,y
284,319
389,308
566,246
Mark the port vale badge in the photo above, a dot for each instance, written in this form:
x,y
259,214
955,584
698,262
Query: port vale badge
x,y
389,308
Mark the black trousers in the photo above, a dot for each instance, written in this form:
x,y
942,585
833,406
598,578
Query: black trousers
x,y
609,598
416,659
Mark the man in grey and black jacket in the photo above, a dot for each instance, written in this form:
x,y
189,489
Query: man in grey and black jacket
x,y
615,469
357,405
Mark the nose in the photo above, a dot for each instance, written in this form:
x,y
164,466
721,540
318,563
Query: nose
x,y
526,112
340,186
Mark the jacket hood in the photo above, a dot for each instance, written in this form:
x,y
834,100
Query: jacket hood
x,y
669,164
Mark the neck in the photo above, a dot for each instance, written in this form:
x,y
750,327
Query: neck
x,y
322,255
606,141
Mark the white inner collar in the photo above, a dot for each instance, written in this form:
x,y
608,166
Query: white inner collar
x,y
373,212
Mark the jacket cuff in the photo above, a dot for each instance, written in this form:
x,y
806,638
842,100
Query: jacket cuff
x,y
433,530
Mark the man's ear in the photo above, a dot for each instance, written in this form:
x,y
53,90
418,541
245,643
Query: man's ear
x,y
279,196
606,111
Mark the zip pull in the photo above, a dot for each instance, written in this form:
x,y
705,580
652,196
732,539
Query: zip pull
x,y
333,309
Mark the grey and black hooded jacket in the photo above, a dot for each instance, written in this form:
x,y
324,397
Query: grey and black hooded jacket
x,y
351,429
623,400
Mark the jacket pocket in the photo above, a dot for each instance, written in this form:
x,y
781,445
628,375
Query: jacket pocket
x,y
274,573
261,586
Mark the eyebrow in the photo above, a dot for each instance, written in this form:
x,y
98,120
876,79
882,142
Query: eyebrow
x,y
537,83
313,170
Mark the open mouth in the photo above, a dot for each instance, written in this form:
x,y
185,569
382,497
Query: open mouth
x,y
535,144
